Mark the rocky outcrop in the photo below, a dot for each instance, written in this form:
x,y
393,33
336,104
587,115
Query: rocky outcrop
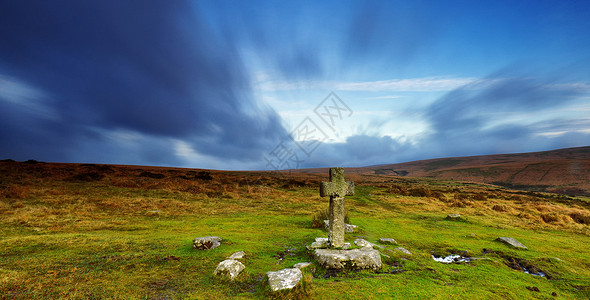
x,y
356,259
206,242
284,279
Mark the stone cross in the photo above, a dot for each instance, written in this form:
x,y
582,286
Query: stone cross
x,y
337,188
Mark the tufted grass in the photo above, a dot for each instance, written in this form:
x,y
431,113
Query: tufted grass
x,y
128,234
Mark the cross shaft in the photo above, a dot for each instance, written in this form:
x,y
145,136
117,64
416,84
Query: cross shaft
x,y
336,188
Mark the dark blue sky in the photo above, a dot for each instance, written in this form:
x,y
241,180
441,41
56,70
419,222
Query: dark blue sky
x,y
226,84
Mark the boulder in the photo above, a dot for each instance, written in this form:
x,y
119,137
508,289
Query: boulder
x,y
206,242
284,279
237,255
511,242
229,268
365,258
404,250
387,241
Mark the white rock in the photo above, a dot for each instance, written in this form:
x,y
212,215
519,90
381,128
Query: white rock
x,y
349,228
387,241
365,258
512,242
302,265
237,255
318,244
364,243
229,268
206,242
284,279
404,250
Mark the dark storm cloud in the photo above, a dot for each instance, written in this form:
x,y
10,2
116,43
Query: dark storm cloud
x,y
151,67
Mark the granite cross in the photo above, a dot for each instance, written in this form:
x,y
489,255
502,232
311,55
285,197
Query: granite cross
x,y
337,188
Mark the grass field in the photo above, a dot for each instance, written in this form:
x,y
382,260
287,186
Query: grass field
x,y
99,232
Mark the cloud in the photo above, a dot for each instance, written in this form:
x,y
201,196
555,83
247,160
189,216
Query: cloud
x,y
152,68
427,84
473,119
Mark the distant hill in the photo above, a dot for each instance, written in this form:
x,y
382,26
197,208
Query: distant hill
x,y
564,171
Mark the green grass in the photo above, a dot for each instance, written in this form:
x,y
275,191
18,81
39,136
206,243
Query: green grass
x,y
98,240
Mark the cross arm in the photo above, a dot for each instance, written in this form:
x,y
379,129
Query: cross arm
x,y
338,189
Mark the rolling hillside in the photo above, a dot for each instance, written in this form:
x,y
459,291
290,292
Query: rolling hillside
x,y
565,171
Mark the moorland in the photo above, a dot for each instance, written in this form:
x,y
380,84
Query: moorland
x,y
89,231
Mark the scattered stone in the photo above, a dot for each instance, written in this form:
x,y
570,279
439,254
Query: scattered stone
x,y
346,246
349,227
365,258
453,217
302,265
207,242
237,255
387,241
284,279
336,188
404,250
229,268
364,243
320,243
511,242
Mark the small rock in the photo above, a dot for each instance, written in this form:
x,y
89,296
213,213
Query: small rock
x,y
404,250
364,243
302,265
387,241
207,242
346,246
453,217
365,258
237,255
320,243
229,268
511,242
284,279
